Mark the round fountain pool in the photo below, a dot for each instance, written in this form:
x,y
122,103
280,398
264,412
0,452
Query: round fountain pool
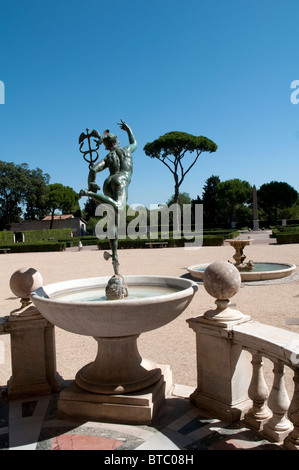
x,y
80,306
261,271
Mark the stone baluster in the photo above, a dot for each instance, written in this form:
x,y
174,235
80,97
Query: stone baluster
x,y
291,442
278,427
258,392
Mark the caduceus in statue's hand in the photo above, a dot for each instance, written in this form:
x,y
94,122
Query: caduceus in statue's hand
x,y
119,162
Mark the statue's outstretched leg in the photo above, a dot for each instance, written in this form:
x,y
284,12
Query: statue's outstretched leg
x,y
100,198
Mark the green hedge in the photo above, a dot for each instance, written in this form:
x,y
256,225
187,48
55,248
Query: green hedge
x,y
85,240
208,240
213,240
284,229
230,235
283,238
39,235
219,235
6,237
38,240
34,247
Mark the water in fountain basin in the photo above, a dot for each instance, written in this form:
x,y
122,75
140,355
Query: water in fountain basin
x,y
258,267
263,267
97,294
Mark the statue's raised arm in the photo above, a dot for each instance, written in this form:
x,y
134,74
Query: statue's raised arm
x,y
133,142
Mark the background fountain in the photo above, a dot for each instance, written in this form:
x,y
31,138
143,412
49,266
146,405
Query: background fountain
x,y
239,256
251,270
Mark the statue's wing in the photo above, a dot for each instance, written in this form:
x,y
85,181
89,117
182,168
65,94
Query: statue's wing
x,y
95,133
82,137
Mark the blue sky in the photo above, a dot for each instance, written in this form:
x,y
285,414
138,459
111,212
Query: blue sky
x,y
222,69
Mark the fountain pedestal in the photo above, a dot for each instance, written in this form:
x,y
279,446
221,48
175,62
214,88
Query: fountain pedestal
x,y
139,407
117,390
110,374
239,256
114,390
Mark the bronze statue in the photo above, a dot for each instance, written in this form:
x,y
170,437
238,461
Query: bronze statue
x,y
119,162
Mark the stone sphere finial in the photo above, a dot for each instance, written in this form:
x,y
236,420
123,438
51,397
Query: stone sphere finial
x,y
24,281
222,280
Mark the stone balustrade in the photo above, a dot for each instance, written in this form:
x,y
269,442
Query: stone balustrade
x,y
272,412
230,353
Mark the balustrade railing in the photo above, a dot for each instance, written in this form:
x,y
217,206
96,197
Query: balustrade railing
x,y
272,412
231,349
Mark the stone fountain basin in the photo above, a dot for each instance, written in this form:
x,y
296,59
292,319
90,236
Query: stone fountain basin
x,y
113,318
262,271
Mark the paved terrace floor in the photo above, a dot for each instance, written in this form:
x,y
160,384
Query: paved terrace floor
x,y
32,423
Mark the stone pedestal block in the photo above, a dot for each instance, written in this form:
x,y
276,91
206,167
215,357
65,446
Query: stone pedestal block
x,y
32,355
139,407
256,225
223,372
223,368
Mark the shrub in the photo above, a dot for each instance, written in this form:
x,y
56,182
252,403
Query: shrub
x,y
85,240
208,240
39,235
34,247
213,240
283,238
284,229
6,237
